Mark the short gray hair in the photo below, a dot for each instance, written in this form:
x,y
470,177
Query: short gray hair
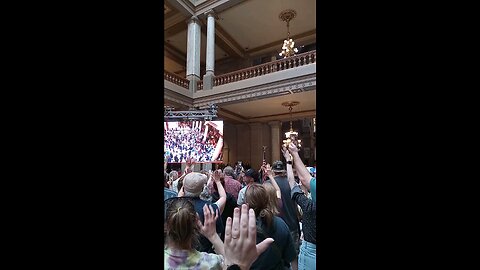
x,y
173,175
228,171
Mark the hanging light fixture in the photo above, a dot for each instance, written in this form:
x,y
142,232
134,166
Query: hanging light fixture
x,y
288,48
291,135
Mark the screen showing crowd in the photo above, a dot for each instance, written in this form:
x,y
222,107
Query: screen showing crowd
x,y
200,140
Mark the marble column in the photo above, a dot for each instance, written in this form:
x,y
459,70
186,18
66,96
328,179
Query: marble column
x,y
193,52
210,56
276,140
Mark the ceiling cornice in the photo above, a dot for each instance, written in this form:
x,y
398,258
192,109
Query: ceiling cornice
x,y
217,5
277,88
224,113
183,6
278,43
283,116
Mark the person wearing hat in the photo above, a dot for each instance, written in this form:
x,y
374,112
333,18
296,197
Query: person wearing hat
x,y
194,184
250,177
288,209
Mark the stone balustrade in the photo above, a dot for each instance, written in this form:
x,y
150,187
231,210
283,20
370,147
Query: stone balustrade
x,y
251,72
175,79
267,68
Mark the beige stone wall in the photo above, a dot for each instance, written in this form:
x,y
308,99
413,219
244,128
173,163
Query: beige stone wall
x,y
244,142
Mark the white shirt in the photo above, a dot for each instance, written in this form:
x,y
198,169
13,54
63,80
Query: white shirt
x,y
241,196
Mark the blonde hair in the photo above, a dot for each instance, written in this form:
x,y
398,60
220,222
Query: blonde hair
x,y
255,198
272,197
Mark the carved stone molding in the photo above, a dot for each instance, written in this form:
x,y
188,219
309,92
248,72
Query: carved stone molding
x,y
178,98
179,101
294,85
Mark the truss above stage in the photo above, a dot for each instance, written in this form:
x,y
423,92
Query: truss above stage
x,y
193,114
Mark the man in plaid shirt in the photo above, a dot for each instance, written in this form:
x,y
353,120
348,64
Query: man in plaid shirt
x,y
232,186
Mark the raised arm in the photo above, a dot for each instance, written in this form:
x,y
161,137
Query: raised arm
x,y
221,191
302,171
182,176
241,246
269,172
307,205
210,181
189,165
288,159
208,229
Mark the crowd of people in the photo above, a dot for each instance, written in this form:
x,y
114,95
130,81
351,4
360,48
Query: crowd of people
x,y
236,219
186,141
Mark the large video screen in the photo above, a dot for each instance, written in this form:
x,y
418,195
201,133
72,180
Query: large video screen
x,y
200,140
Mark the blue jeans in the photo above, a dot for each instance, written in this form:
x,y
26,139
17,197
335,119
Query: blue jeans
x,y
307,257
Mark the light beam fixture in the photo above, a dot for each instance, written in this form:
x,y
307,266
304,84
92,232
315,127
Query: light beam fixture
x,y
288,48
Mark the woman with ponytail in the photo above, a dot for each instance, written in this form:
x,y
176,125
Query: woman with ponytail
x,y
282,252
183,227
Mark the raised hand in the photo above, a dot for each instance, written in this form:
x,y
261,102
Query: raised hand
x,y
241,238
292,148
268,170
208,229
286,153
217,175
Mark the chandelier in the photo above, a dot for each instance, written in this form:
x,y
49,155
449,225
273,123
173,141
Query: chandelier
x,y
291,135
288,48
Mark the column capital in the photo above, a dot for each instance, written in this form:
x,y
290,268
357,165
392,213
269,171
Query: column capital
x,y
193,19
275,123
211,13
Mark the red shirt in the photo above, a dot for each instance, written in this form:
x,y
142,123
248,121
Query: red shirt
x,y
232,186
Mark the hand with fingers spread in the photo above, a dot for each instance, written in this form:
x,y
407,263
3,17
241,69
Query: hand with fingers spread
x,y
241,238
210,218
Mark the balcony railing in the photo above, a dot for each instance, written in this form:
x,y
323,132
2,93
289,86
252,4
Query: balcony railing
x,y
267,68
251,72
175,79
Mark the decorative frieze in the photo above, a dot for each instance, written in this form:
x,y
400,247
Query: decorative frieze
x,y
295,85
